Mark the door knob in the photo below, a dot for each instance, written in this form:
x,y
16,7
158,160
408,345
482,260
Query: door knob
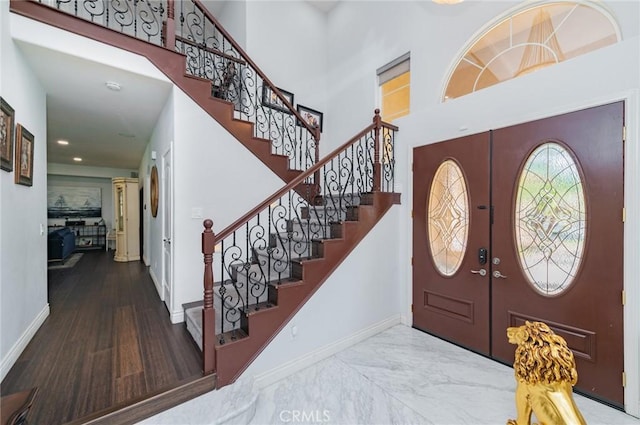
x,y
497,274
481,272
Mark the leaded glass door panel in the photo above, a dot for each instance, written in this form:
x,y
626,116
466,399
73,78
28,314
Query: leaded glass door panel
x,y
557,238
451,225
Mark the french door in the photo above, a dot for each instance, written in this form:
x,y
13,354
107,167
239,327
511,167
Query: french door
x,y
525,223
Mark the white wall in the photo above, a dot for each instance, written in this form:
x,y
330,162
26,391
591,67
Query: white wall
x,y
212,172
106,193
287,40
360,297
23,213
161,138
233,17
363,36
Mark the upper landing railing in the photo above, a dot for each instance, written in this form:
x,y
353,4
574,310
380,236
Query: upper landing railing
x,y
211,53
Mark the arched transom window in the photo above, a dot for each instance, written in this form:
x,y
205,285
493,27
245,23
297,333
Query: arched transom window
x,y
531,39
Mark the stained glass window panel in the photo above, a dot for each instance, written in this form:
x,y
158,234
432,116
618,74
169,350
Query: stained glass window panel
x,y
530,39
448,218
550,219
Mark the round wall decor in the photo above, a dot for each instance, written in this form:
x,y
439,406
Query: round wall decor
x,y
154,191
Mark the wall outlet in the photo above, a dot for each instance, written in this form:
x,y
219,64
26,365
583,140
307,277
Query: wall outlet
x,y
196,212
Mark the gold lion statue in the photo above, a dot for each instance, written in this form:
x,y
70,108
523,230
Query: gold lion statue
x,y
545,372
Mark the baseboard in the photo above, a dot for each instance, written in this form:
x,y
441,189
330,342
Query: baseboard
x,y
177,316
269,377
156,283
145,259
17,349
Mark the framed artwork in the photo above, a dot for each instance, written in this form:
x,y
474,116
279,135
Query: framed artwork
x,y
153,186
24,156
7,126
311,116
74,202
271,99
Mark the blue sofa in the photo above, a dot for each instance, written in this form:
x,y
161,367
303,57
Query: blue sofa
x,y
62,243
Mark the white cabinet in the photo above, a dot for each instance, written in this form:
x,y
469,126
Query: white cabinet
x,y
127,219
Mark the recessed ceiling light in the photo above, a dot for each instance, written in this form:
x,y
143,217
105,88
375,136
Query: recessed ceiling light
x,y
77,159
63,142
112,85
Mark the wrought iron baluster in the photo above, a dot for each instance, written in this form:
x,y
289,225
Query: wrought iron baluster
x,y
135,18
222,289
108,17
352,170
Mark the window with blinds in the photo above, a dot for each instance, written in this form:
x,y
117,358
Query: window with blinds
x,y
394,80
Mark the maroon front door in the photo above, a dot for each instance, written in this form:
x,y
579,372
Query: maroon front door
x,y
545,200
575,287
450,293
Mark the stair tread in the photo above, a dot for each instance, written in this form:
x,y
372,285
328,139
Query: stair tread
x,y
187,306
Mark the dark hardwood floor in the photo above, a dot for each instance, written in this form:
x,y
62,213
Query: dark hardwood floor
x,y
107,340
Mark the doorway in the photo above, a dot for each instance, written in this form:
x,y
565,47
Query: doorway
x,y
167,231
525,223
141,209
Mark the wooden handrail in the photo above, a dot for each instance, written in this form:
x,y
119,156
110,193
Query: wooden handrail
x,y
258,71
301,178
210,50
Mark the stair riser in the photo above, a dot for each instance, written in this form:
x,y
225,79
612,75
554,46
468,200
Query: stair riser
x,y
193,321
318,249
296,270
257,274
309,230
195,329
325,214
352,213
237,318
296,248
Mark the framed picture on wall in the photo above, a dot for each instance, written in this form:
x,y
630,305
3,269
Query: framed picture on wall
x,y
273,101
24,156
74,202
311,116
7,126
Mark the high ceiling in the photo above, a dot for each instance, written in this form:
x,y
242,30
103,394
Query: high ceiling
x,y
105,128
324,5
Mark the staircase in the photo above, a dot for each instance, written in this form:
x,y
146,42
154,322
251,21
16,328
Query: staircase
x,y
269,262
203,60
261,308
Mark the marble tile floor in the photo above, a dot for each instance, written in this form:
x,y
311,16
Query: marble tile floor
x,y
399,376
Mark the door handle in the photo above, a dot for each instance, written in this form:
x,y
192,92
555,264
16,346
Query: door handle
x,y
481,272
497,274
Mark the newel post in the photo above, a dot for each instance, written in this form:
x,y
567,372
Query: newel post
x,y
208,313
170,26
377,174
